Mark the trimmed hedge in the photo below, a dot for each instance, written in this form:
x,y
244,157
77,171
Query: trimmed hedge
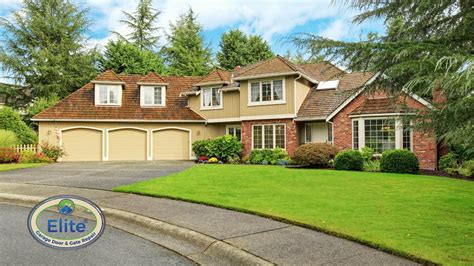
x,y
314,155
399,161
349,160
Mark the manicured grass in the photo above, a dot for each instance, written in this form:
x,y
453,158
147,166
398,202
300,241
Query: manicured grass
x,y
423,216
14,166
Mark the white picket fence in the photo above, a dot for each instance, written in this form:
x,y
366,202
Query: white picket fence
x,y
26,147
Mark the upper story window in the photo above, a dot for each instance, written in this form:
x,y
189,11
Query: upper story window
x,y
211,98
108,94
267,92
152,95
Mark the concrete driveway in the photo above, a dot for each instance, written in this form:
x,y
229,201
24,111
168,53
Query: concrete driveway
x,y
98,175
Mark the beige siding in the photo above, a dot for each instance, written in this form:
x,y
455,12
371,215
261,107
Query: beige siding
x,y
127,144
48,130
82,145
230,106
302,89
171,144
272,109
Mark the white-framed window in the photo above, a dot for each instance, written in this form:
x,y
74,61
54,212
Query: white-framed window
x,y
152,95
211,98
267,92
268,136
381,134
234,130
108,94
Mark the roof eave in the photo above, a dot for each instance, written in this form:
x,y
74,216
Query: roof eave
x,y
153,83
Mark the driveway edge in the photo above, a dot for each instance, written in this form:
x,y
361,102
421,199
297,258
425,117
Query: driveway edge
x,y
209,250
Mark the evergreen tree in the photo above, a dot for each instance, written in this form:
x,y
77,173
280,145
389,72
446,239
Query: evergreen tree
x,y
142,24
238,49
44,48
187,54
123,57
428,48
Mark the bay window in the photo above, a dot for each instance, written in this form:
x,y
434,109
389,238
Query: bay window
x,y
211,98
381,134
152,96
268,136
267,92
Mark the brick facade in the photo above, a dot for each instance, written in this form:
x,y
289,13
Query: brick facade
x,y
424,144
291,133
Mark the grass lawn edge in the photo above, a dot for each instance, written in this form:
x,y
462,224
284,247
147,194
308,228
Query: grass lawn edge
x,y
371,244
18,166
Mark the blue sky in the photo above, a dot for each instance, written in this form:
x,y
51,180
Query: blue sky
x,y
272,19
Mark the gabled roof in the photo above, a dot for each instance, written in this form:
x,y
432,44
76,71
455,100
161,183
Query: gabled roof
x,y
318,104
108,76
322,71
80,104
272,67
379,106
217,76
152,78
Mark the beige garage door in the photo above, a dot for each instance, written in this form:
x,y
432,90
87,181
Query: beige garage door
x,y
82,145
127,145
171,144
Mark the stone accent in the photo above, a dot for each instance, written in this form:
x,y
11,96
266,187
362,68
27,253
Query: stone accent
x,y
291,133
424,144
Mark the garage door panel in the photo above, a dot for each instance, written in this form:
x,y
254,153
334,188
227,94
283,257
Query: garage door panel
x,y
127,145
171,144
82,145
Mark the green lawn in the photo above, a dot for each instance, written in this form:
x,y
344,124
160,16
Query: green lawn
x,y
423,216
14,166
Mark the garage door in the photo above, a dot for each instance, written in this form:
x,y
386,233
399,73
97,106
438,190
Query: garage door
x,y
171,144
127,145
82,145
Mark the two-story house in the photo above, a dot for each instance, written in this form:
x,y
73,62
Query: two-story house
x,y
270,104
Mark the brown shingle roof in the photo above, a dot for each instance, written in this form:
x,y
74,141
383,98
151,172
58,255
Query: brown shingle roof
x,y
320,103
80,104
379,106
217,76
108,75
275,65
322,71
152,78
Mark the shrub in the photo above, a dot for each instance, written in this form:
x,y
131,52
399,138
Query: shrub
x,y
27,157
11,120
52,151
448,161
349,160
8,155
7,139
399,161
270,156
314,154
367,153
224,147
372,166
234,160
200,147
467,168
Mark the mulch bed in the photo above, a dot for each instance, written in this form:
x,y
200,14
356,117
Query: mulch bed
x,y
444,174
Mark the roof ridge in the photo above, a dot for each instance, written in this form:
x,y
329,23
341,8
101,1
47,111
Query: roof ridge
x,y
255,65
108,71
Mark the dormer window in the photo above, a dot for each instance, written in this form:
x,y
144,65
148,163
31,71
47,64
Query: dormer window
x,y
328,85
211,98
152,95
106,94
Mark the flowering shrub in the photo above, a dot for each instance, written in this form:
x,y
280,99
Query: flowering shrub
x,y
8,155
52,151
213,160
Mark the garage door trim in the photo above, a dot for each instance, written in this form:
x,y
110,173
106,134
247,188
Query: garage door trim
x,y
83,127
148,156
177,128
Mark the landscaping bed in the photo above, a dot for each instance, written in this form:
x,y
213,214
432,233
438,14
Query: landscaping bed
x,y
417,216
